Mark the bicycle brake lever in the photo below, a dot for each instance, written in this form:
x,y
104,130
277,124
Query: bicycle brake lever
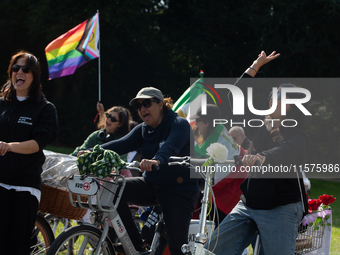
x,y
154,167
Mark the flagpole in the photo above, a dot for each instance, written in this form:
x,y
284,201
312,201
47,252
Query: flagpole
x,y
99,67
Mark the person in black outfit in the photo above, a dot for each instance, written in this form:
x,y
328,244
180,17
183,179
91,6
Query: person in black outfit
x,y
28,122
161,135
273,206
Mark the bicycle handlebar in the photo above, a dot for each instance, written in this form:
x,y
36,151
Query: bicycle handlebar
x,y
185,161
134,165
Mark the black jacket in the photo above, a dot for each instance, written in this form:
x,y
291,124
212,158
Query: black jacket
x,y
269,190
266,191
23,121
172,137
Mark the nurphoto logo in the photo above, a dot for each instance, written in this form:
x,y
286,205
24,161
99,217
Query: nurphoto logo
x,y
238,104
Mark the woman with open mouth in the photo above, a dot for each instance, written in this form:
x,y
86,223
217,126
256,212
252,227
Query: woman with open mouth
x,y
161,135
28,122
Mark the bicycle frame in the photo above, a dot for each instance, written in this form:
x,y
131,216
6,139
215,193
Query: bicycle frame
x,y
108,195
201,237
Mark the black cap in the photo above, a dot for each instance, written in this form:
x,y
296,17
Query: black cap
x,y
213,112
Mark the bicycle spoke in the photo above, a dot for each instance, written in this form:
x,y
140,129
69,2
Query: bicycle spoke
x,y
39,248
83,245
81,240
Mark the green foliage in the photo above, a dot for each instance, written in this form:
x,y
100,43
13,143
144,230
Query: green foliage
x,y
58,149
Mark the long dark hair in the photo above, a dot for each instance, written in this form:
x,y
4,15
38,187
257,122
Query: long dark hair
x,y
35,92
124,118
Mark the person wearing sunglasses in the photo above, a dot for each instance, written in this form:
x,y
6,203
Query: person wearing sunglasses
x,y
114,124
161,135
28,122
271,204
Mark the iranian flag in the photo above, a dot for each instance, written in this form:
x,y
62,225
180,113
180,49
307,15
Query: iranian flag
x,y
190,101
226,188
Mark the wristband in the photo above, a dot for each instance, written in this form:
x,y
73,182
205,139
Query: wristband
x,y
252,68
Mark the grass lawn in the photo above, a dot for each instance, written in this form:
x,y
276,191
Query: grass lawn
x,y
59,149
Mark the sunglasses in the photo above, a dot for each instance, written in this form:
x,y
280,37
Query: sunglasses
x,y
146,103
25,69
113,119
278,95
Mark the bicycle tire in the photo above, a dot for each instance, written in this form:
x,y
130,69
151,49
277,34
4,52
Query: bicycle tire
x,y
83,235
57,224
42,237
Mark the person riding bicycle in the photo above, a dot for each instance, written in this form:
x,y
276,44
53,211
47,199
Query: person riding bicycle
x,y
161,135
272,206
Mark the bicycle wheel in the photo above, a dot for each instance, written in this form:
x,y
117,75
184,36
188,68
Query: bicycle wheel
x,y
58,224
42,236
82,240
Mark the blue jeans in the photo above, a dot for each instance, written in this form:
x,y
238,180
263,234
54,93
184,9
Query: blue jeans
x,y
277,227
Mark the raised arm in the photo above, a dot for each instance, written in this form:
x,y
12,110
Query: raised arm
x,y
260,61
101,111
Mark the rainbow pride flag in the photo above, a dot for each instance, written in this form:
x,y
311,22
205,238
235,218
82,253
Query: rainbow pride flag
x,y
73,49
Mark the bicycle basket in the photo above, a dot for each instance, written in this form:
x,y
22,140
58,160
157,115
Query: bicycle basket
x,y
56,201
309,239
103,194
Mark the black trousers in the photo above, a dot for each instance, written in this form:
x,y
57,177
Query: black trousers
x,y
18,213
177,207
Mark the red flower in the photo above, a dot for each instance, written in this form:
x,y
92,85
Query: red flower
x,y
327,199
314,204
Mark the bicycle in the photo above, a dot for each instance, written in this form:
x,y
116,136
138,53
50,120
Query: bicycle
x,y
57,223
42,236
201,237
94,239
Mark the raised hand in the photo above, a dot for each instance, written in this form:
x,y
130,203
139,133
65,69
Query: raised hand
x,y
264,59
261,60
100,108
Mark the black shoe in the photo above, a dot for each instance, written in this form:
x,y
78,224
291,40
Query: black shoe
x,y
119,248
142,247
